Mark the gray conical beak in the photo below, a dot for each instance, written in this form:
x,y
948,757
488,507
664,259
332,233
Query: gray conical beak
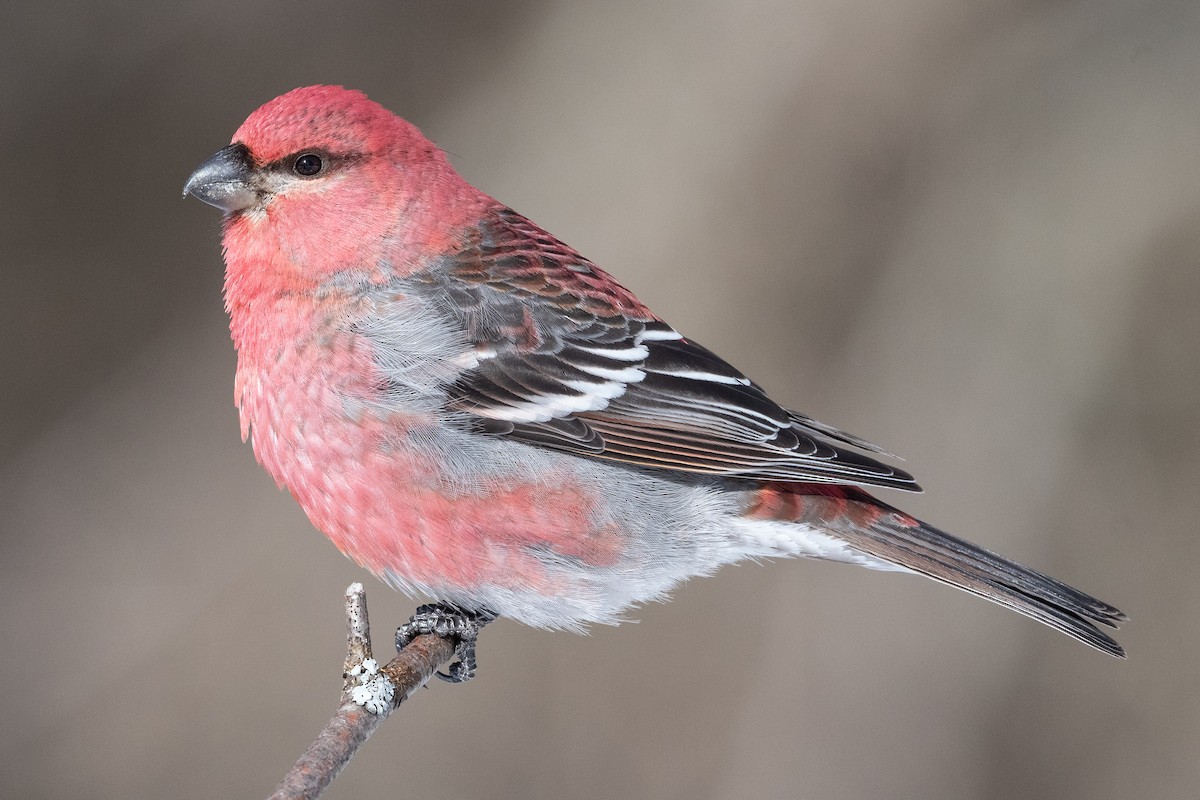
x,y
225,180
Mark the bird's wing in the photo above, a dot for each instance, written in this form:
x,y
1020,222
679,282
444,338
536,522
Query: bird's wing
x,y
568,358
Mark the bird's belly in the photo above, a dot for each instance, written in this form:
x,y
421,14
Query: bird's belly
x,y
429,508
550,539
424,525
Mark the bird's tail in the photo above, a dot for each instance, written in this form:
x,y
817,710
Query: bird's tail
x,y
882,532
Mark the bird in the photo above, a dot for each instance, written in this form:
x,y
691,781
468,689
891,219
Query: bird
x,y
480,416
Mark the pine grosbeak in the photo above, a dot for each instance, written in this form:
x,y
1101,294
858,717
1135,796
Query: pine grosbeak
x,y
475,412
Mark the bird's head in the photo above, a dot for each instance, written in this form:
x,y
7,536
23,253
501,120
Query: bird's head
x,y
325,172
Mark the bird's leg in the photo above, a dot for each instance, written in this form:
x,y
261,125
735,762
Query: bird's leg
x,y
448,622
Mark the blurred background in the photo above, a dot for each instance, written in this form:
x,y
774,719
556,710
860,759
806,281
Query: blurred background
x,y
967,231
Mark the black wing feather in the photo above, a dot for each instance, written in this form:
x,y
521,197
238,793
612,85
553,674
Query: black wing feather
x,y
573,361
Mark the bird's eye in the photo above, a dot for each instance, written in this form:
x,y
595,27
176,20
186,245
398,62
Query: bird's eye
x,y
308,165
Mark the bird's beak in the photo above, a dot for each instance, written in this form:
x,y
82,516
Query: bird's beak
x,y
225,180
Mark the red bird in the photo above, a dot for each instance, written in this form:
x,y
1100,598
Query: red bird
x,y
476,413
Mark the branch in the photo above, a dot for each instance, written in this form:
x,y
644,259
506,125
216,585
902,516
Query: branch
x,y
369,696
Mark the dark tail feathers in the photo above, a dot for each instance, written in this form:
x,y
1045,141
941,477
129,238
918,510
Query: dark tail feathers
x,y
900,539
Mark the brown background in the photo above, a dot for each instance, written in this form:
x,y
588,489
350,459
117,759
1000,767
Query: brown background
x,y
965,230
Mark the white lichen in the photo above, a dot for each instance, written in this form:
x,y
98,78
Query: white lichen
x,y
374,691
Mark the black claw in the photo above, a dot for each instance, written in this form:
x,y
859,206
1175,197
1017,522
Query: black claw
x,y
448,622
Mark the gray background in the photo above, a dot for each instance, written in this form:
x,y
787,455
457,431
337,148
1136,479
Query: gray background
x,y
965,230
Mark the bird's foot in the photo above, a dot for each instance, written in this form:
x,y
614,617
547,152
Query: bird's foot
x,y
448,622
